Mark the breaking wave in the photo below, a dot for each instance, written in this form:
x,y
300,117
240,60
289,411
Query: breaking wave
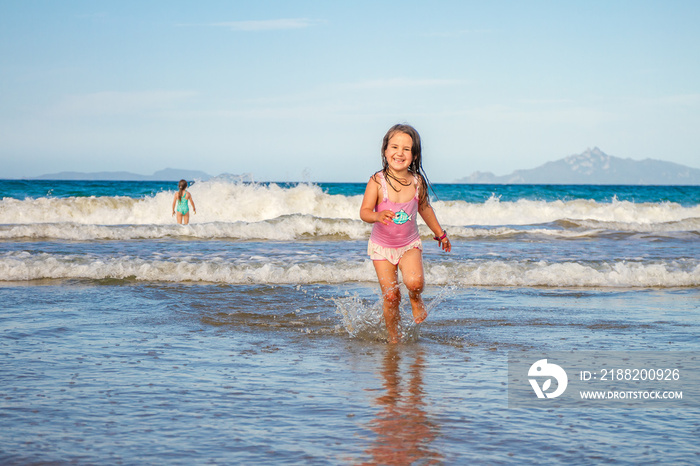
x,y
27,266
272,212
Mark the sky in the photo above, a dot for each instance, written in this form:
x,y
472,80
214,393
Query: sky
x,y
306,90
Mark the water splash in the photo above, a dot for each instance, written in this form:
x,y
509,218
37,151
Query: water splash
x,y
363,319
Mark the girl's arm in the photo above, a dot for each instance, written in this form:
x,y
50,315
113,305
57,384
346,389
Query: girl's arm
x,y
369,202
194,209
428,215
174,202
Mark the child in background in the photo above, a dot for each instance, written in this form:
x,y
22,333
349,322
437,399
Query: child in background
x,y
180,205
392,199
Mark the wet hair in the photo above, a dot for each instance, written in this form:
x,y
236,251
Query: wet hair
x,y
416,167
181,186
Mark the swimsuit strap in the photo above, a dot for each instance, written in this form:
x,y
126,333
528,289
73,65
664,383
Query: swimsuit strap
x,y
383,181
183,198
384,190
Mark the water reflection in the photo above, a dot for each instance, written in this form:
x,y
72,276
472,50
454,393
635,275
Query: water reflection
x,y
403,427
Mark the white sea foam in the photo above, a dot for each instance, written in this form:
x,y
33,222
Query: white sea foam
x,y
216,201
22,266
221,201
689,225
271,212
280,229
526,212
294,227
600,274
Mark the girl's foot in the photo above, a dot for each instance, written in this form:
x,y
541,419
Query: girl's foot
x,y
420,317
394,337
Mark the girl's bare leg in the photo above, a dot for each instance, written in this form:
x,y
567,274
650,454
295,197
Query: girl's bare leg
x,y
411,266
387,273
186,219
178,217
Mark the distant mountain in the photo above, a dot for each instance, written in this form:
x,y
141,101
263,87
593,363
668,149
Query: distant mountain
x,y
169,174
596,167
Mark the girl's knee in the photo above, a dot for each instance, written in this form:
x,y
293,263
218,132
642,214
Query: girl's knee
x,y
414,284
393,296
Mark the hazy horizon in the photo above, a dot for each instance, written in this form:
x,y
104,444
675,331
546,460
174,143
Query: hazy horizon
x,y
251,176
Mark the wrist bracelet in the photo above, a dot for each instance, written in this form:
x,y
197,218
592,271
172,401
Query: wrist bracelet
x,y
444,235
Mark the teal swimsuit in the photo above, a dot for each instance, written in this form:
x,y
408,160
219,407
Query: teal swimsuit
x,y
182,206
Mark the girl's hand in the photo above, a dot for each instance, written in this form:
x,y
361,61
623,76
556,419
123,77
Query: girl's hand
x,y
385,216
446,245
444,241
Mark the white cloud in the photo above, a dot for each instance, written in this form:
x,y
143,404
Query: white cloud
x,y
268,24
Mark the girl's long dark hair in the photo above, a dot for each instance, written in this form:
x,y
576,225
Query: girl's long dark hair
x,y
181,186
416,166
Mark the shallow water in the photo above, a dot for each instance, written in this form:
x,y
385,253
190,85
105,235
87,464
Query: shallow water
x,y
133,373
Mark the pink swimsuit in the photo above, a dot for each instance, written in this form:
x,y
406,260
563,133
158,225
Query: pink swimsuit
x,y
390,242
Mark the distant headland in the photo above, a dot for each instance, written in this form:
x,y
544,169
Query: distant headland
x,y
595,167
168,174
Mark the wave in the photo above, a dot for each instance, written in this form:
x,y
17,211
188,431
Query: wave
x,y
303,227
686,225
26,266
226,202
285,228
528,212
216,201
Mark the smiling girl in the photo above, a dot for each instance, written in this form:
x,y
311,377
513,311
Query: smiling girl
x,y
392,199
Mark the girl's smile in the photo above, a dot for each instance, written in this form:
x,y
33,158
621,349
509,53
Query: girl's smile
x,y
398,152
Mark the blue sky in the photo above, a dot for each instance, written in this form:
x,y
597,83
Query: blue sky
x,y
305,90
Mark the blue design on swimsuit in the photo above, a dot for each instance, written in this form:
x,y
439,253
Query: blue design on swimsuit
x,y
401,217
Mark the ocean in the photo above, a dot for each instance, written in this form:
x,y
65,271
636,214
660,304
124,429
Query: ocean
x,y
254,334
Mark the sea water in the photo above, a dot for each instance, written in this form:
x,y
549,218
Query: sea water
x,y
255,333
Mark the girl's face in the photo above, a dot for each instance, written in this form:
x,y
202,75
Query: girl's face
x,y
398,152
